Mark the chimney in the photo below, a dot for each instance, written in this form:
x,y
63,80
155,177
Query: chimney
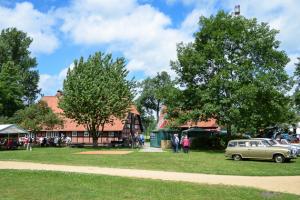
x,y
59,94
237,10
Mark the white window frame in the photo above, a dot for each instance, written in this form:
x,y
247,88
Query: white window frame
x,y
74,134
86,134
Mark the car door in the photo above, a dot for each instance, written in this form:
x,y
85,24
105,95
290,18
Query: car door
x,y
242,149
266,151
254,150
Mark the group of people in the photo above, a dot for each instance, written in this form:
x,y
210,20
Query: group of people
x,y
184,142
9,143
28,141
138,140
54,141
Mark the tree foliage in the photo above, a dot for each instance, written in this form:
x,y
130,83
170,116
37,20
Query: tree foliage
x,y
37,117
297,90
19,80
154,90
10,91
95,91
234,72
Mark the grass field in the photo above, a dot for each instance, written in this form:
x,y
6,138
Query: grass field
x,y
210,162
57,185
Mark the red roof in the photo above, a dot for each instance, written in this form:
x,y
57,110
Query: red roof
x,y
71,125
209,124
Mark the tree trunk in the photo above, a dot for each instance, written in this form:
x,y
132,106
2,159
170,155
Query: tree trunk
x,y
95,140
157,111
95,137
228,127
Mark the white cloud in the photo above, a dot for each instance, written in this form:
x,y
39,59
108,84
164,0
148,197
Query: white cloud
x,y
143,34
140,32
51,83
281,15
38,25
290,68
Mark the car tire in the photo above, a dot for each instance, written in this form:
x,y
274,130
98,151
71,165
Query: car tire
x,y
237,157
279,158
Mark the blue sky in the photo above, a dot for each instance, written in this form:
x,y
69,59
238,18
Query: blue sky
x,y
145,32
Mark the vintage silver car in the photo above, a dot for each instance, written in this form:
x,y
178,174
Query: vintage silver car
x,y
283,143
257,149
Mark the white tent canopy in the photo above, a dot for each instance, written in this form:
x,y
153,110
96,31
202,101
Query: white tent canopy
x,y
11,129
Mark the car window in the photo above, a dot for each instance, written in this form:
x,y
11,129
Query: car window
x,y
273,142
242,144
269,142
232,144
253,143
265,143
283,141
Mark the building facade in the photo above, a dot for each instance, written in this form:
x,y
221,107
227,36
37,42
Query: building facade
x,y
117,131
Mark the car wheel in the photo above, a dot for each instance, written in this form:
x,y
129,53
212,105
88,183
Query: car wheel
x,y
237,157
279,158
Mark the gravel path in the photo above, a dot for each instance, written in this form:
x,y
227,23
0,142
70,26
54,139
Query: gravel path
x,y
288,184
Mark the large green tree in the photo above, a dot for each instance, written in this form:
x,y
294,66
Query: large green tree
x,y
36,117
17,65
95,91
10,91
153,93
234,72
297,90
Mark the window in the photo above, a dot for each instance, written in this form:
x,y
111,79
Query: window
x,y
264,143
74,133
231,144
274,142
86,134
55,134
253,143
137,126
111,134
242,144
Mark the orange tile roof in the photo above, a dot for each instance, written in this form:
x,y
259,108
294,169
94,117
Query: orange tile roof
x,y
71,125
210,123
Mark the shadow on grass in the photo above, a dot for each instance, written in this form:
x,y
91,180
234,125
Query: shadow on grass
x,y
259,161
210,151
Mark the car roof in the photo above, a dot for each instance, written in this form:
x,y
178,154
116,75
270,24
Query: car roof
x,y
262,138
245,140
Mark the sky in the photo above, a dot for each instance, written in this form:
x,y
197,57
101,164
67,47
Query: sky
x,y
144,32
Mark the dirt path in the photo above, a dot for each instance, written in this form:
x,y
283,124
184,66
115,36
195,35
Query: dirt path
x,y
288,184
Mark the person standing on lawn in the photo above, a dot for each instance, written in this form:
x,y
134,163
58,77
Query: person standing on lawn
x,y
29,144
26,142
175,143
185,144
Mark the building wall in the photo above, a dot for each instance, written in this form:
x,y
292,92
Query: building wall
x,y
132,125
82,137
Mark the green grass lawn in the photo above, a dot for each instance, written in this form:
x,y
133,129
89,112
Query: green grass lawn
x,y
210,162
58,185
